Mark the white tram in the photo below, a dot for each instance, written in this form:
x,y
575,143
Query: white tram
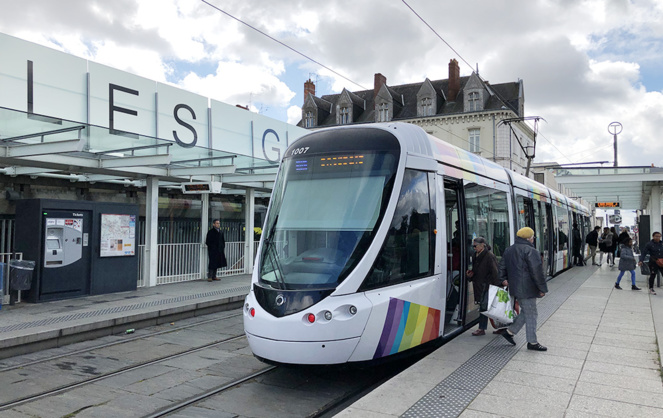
x,y
368,237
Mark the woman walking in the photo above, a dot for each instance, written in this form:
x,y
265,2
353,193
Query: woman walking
x,y
484,273
605,245
626,263
615,245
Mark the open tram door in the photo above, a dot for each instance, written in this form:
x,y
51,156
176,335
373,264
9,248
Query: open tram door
x,y
457,290
534,214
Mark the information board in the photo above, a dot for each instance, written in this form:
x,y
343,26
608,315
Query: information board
x,y
118,235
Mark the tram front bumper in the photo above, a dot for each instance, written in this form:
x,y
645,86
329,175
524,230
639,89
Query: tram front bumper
x,y
300,352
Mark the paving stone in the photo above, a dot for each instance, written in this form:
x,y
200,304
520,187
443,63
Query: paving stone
x,y
612,408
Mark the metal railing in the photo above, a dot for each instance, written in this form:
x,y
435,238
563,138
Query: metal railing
x,y
4,289
186,262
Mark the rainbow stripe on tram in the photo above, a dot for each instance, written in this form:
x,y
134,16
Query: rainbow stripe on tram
x,y
407,325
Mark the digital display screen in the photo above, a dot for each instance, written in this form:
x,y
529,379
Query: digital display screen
x,y
335,163
607,204
197,187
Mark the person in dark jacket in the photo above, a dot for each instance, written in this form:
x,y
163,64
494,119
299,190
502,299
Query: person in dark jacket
x,y
522,268
653,249
615,245
484,273
626,263
592,241
577,243
624,236
216,245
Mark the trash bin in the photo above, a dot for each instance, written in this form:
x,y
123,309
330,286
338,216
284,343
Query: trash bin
x,y
20,274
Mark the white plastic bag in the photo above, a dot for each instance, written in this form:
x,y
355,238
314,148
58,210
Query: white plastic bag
x,y
500,305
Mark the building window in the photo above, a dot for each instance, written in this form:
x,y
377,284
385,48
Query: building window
x,y
475,140
427,106
309,120
383,112
345,116
474,101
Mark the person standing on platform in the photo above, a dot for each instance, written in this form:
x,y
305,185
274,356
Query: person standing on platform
x,y
615,245
605,245
653,249
522,269
592,240
484,273
216,245
577,243
626,263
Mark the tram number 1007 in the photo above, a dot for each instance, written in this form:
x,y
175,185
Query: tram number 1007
x,y
300,151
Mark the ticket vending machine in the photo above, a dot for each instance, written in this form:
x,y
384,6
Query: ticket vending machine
x,y
65,270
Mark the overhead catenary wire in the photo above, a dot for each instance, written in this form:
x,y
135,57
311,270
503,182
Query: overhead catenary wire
x,y
283,44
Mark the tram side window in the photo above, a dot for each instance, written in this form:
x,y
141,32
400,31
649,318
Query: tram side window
x,y
562,215
406,253
487,216
523,212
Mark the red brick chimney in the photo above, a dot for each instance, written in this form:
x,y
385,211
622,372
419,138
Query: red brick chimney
x,y
309,87
454,80
378,81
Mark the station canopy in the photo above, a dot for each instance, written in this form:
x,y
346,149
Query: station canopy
x,y
36,146
629,186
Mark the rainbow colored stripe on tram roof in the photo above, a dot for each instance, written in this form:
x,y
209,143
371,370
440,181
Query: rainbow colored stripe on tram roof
x,y
407,325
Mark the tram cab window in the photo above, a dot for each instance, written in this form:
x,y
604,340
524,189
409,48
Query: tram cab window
x,y
407,253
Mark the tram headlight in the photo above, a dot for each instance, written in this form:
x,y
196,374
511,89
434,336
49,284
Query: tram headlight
x,y
328,315
246,307
352,310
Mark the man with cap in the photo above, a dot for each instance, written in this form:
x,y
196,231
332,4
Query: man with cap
x,y
522,267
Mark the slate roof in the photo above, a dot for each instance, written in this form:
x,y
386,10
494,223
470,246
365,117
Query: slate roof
x,y
504,94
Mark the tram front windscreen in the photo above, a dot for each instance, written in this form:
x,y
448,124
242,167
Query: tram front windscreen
x,y
325,210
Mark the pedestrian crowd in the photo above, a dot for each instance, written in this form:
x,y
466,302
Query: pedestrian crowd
x,y
521,271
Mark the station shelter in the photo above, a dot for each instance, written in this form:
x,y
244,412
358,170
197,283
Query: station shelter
x,y
78,136
615,189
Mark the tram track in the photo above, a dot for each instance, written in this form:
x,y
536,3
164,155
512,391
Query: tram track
x,y
71,386
114,343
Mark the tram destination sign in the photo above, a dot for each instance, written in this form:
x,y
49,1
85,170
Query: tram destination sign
x,y
607,205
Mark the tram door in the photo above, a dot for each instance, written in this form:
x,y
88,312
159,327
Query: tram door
x,y
542,241
456,292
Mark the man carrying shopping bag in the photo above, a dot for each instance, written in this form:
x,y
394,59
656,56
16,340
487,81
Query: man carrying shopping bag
x,y
522,267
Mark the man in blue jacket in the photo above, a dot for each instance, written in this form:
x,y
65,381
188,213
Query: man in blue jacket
x,y
522,267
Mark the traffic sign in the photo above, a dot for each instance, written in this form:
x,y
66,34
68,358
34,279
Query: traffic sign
x,y
607,205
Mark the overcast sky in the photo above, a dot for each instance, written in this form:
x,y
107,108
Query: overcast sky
x,y
584,64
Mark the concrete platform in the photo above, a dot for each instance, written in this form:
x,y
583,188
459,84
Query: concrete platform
x,y
28,327
603,359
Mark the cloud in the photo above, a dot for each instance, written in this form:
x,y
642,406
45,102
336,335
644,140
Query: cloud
x,y
294,114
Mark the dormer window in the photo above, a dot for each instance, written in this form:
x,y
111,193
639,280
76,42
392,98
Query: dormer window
x,y
474,101
383,112
344,116
427,106
309,120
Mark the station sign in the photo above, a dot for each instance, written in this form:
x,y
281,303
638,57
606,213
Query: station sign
x,y
607,205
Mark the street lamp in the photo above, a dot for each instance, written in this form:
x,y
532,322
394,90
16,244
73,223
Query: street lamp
x,y
615,128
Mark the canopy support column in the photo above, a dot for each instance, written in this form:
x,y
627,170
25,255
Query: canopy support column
x,y
151,259
204,227
249,209
655,208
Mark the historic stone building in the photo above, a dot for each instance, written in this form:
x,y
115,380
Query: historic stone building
x,y
465,111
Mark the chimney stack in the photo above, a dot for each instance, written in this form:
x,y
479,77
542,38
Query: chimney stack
x,y
309,87
378,81
454,80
